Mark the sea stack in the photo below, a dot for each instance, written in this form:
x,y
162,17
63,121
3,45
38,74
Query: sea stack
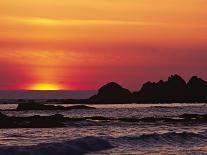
x,y
112,93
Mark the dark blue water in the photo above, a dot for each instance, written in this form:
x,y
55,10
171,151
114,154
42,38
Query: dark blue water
x,y
51,94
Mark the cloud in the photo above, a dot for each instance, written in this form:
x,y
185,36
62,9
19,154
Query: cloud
x,y
72,22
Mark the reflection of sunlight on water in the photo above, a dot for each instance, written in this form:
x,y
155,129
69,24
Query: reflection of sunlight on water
x,y
148,105
8,106
120,106
117,135
116,110
124,136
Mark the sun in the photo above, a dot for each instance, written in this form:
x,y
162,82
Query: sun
x,y
44,86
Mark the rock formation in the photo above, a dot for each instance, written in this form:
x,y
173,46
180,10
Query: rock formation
x,y
174,90
112,93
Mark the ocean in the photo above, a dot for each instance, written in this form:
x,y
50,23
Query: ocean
x,y
46,94
110,136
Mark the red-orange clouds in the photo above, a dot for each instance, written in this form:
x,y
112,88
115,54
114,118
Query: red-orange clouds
x,y
84,44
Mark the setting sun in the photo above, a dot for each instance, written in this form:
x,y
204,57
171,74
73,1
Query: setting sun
x,y
85,43
44,86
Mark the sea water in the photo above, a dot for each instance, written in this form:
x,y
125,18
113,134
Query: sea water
x,y
110,137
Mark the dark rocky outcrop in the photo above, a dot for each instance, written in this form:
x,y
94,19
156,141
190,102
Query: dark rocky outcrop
x,y
59,120
68,101
112,93
39,106
175,89
197,90
31,122
172,90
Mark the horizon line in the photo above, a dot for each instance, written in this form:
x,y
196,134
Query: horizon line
x,y
44,90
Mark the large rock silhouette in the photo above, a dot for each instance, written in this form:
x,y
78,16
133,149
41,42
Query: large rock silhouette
x,y
112,93
172,90
175,89
197,90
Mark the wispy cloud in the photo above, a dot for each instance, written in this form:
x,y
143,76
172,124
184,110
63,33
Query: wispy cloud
x,y
71,22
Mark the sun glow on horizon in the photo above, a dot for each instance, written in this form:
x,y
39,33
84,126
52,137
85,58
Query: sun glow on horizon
x,y
82,44
44,86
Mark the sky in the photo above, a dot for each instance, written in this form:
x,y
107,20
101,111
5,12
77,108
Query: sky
x,y
83,44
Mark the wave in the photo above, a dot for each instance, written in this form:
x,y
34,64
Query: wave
x,y
79,146
170,138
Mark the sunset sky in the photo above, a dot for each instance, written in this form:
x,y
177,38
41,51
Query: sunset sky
x,y
83,44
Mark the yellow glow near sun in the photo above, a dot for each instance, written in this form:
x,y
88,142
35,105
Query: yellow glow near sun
x,y
44,86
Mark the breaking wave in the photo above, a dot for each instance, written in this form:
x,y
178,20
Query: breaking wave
x,y
170,138
73,147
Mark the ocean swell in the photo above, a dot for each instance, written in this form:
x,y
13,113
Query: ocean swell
x,y
170,138
73,147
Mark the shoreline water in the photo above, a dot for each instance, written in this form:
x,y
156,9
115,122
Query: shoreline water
x,y
129,129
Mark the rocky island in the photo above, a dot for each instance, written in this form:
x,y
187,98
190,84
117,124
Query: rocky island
x,y
173,90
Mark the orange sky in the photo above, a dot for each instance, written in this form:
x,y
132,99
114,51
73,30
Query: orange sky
x,y
82,44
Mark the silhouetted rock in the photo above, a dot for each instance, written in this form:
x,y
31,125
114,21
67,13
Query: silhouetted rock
x,y
197,90
112,93
172,90
3,117
58,120
31,122
39,106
